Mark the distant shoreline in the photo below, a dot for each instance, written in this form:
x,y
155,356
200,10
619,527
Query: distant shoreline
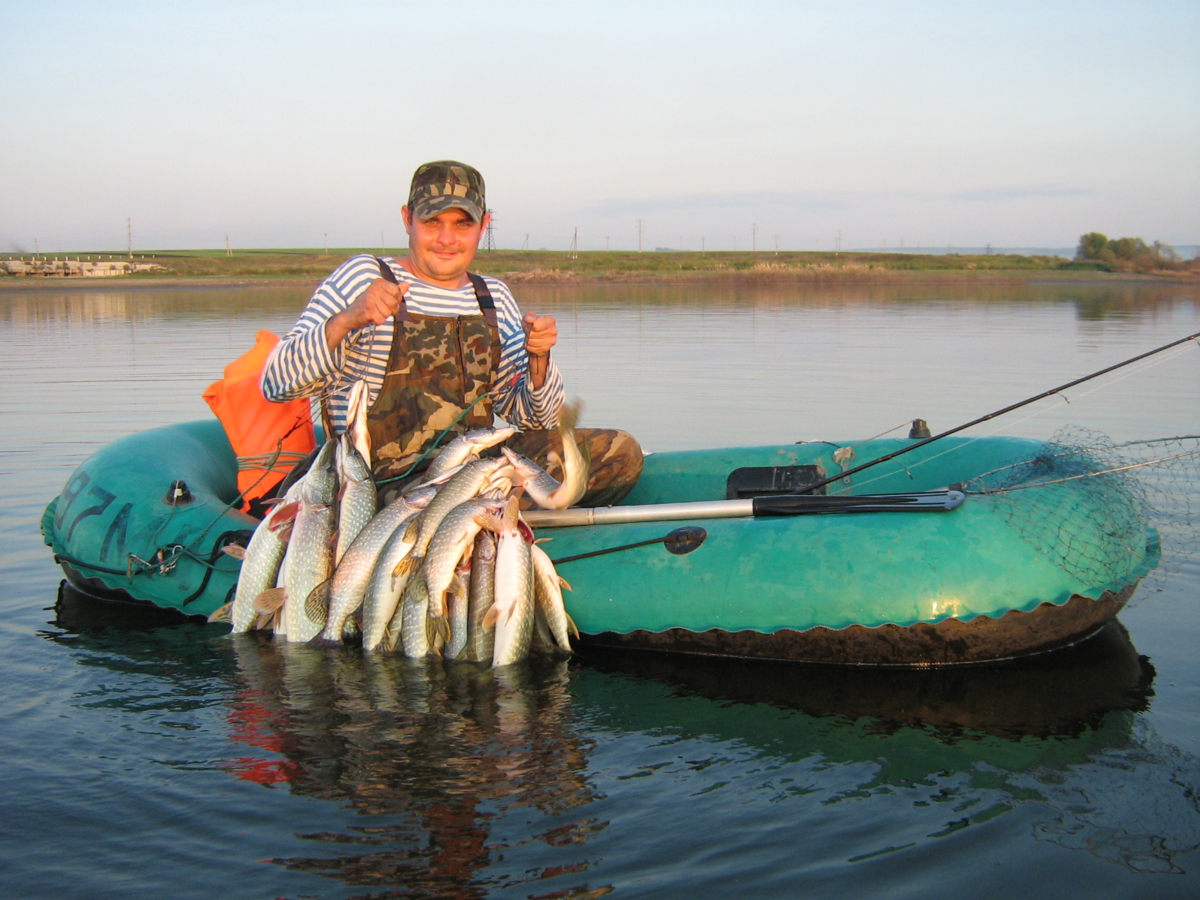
x,y
295,268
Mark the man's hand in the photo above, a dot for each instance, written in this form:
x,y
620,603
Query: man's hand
x,y
541,333
373,307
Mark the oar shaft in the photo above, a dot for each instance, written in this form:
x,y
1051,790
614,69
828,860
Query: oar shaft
x,y
659,512
807,489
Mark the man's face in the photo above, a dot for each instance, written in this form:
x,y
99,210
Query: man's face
x,y
441,248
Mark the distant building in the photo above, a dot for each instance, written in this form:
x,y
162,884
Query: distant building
x,y
40,267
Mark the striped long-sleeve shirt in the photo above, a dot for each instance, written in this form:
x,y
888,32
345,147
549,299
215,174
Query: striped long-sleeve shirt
x,y
302,365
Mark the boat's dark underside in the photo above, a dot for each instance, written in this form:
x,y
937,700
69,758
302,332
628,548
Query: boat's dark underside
x,y
950,642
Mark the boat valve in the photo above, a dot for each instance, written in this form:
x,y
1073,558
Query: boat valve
x,y
178,494
919,430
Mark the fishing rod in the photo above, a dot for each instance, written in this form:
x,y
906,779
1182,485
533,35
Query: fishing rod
x,y
937,437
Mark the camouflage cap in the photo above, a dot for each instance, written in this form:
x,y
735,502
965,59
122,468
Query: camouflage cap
x,y
446,184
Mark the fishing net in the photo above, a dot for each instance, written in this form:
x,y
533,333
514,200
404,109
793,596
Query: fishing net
x,y
1087,503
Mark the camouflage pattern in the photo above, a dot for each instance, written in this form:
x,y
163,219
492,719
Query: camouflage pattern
x,y
438,366
446,184
614,460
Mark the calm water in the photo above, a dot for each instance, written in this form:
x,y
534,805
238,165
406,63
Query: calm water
x,y
173,761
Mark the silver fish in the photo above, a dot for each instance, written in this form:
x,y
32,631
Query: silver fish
x,y
512,611
357,403
452,540
472,480
539,484
480,640
467,447
357,505
413,616
353,574
309,554
574,469
264,554
384,588
547,593
457,603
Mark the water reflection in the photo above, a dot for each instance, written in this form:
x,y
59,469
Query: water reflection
x,y
472,782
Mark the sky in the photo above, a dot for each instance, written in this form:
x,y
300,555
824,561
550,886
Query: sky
x,y
802,126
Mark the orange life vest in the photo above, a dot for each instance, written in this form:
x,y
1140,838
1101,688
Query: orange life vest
x,y
268,438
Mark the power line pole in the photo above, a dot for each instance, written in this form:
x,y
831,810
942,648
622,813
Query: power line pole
x,y
129,236
525,246
573,253
776,245
754,238
702,243
489,236
228,247
382,244
639,235
327,243
606,243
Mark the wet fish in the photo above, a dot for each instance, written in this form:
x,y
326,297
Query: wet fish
x,y
357,403
543,488
353,574
453,539
457,603
481,594
357,500
466,447
310,554
474,478
511,614
264,554
385,587
411,620
574,468
547,592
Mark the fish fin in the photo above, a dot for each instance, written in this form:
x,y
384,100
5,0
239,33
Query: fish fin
x,y
571,623
543,540
321,641
556,462
563,583
333,538
271,600
441,628
406,567
491,522
237,551
316,606
284,515
266,620
222,613
568,415
489,618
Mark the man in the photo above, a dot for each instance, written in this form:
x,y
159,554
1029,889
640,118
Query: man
x,y
438,346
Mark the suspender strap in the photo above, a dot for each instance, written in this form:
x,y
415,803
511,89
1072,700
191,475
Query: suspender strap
x,y
484,298
482,295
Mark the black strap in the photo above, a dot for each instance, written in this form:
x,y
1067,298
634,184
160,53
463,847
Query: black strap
x,y
483,296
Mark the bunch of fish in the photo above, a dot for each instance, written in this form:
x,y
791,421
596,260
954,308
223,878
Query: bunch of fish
x,y
450,568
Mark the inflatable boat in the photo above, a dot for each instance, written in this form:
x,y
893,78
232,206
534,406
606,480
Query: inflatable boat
x,y
965,550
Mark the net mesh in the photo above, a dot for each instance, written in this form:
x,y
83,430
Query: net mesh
x,y
1086,502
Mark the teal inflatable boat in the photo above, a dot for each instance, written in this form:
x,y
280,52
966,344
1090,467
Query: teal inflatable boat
x,y
962,551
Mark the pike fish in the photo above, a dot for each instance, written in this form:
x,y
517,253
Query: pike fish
x,y
357,501
411,620
357,404
542,487
480,597
547,593
384,588
310,554
264,554
353,574
453,539
466,447
457,603
474,478
511,614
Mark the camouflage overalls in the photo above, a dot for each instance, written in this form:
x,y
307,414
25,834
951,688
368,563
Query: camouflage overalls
x,y
439,366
